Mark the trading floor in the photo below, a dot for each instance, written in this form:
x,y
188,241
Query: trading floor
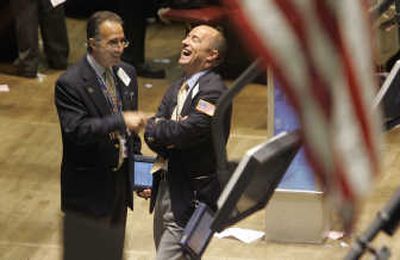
x,y
30,154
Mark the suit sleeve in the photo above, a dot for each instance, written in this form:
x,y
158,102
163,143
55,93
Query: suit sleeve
x,y
76,123
161,114
188,132
137,143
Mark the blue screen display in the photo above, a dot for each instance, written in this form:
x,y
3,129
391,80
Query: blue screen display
x,y
142,176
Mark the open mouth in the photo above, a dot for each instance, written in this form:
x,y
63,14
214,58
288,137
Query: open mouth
x,y
186,52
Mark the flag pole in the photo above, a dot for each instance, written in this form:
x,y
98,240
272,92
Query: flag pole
x,y
386,220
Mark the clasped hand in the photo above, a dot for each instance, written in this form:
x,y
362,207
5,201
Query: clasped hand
x,y
135,120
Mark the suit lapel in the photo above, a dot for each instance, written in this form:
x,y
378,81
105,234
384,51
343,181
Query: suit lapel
x,y
92,87
187,104
122,90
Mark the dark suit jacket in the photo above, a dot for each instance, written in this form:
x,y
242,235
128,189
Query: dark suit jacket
x,y
89,151
188,146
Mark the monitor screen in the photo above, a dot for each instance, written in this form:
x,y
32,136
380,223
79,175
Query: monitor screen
x,y
255,179
197,233
142,177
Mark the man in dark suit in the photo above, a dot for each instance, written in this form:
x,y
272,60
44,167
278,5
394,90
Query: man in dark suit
x,y
96,101
180,133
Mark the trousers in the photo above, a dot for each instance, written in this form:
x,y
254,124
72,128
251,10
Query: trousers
x,y
167,233
29,16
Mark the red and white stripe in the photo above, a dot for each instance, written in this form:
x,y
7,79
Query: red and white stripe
x,y
320,51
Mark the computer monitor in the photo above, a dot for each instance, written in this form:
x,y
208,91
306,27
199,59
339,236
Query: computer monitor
x,y
255,179
198,232
388,98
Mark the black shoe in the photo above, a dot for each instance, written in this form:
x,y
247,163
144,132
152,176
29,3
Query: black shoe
x,y
144,70
27,74
27,69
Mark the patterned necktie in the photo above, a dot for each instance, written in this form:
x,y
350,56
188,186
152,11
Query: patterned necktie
x,y
111,90
180,101
112,95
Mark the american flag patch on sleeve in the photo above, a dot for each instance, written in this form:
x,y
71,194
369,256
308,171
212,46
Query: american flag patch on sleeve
x,y
205,107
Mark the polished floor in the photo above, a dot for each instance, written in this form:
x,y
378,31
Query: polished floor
x,y
30,153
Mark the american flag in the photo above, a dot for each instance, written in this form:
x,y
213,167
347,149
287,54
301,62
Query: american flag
x,y
321,54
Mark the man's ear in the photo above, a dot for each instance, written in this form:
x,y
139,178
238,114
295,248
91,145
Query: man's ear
x,y
92,42
213,56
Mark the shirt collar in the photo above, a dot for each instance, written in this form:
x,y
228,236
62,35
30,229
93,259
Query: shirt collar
x,y
192,80
96,66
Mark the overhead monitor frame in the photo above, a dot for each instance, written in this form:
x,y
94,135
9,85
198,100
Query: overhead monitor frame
x,y
254,180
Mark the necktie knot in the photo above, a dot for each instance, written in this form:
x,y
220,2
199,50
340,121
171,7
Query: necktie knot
x,y
182,93
185,86
107,75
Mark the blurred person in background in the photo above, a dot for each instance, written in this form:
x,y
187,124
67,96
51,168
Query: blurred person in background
x,y
135,13
29,16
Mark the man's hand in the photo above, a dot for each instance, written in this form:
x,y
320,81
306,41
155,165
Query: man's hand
x,y
134,120
146,193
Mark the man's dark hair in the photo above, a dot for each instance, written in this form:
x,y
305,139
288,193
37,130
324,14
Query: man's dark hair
x,y
94,22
